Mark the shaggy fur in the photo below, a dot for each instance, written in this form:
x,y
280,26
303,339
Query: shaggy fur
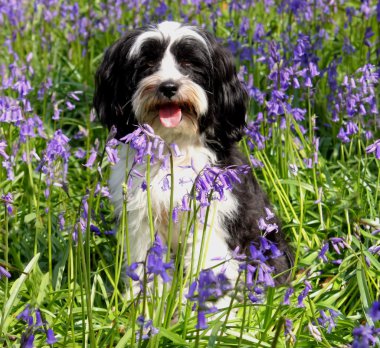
x,y
183,67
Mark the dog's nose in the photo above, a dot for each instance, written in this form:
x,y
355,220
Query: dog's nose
x,y
168,89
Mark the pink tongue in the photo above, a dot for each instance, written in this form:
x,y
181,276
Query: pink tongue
x,y
170,115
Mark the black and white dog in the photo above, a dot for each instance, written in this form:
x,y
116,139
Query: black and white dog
x,y
183,83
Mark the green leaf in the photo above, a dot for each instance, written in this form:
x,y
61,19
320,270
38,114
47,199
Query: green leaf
x,y
214,334
45,281
172,337
365,296
16,287
29,217
125,340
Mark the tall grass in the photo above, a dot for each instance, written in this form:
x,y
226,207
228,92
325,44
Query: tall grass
x,y
310,68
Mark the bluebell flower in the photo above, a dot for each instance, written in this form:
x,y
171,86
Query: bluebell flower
x,y
3,146
328,321
342,135
27,341
314,332
111,151
288,329
374,311
4,273
288,293
338,244
147,328
145,142
254,136
304,293
374,148
322,253
131,271
25,315
39,321
155,264
365,336
8,201
91,159
201,323
50,337
204,291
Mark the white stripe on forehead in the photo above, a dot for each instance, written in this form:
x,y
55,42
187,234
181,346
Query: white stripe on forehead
x,y
165,30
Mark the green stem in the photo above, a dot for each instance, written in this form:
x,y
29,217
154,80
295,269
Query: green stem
x,y
149,198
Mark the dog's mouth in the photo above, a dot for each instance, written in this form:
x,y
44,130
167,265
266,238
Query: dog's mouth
x,y
170,115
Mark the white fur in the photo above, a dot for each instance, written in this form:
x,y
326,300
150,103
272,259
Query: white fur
x,y
166,30
193,101
168,69
184,177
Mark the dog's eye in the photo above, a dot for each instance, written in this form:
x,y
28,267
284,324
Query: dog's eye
x,y
150,63
185,63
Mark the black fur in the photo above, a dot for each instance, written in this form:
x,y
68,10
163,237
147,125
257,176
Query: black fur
x,y
116,80
244,229
226,119
214,70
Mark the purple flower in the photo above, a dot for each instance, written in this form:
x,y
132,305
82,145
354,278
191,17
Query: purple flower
x,y
365,336
25,315
304,293
3,146
39,321
57,150
27,341
338,244
155,264
4,273
112,153
255,162
322,253
255,138
9,165
8,201
80,153
374,311
70,106
202,323
288,293
56,113
147,328
212,183
314,331
289,328
130,271
208,288
342,135
265,275
145,142
374,148
91,159
374,249
50,337
329,321
267,228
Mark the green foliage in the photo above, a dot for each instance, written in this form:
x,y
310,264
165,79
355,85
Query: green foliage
x,y
76,279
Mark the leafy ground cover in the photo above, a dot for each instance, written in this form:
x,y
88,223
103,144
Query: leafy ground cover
x,y
311,69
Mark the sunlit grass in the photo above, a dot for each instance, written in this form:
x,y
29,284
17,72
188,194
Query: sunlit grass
x,y
326,194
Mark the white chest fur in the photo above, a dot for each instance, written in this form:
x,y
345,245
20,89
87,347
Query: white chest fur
x,y
186,169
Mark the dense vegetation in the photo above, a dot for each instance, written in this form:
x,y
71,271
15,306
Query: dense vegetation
x,y
311,69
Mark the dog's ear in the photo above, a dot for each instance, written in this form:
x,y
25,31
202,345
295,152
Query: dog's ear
x,y
230,97
114,86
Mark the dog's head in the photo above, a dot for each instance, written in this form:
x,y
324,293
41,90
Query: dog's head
x,y
178,79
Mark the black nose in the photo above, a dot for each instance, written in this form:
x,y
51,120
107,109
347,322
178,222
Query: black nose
x,y
168,89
